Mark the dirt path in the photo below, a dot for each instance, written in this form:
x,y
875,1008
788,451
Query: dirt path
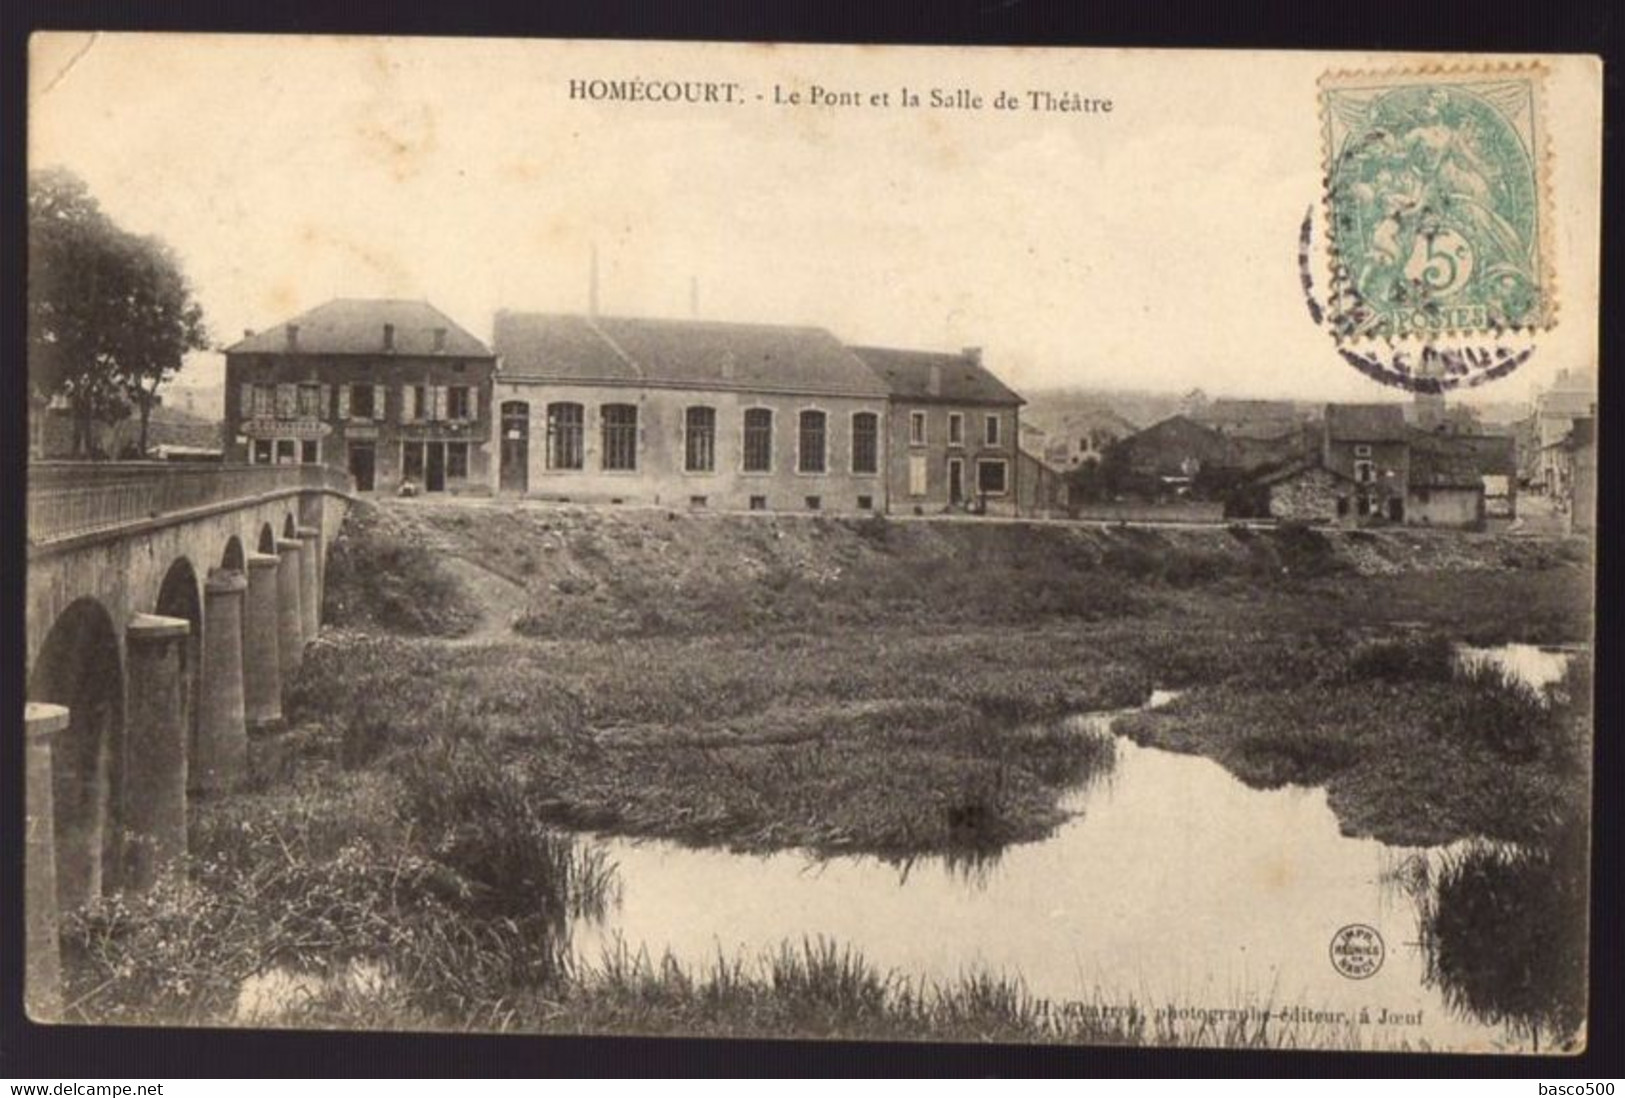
x,y
499,599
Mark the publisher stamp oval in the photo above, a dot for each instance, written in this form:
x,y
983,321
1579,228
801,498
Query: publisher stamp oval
x,y
1357,951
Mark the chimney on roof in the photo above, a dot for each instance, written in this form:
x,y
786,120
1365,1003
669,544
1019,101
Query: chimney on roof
x,y
440,339
389,337
248,333
974,354
293,337
934,384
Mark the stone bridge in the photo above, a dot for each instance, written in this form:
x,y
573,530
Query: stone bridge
x,y
167,605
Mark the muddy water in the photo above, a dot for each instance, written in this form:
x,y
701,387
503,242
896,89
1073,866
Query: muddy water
x,y
1172,884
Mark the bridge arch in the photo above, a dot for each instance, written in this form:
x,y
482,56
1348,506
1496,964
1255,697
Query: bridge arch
x,y
233,559
267,542
79,666
290,528
180,596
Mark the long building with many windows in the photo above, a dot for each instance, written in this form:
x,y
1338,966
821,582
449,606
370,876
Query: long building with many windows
x,y
694,414
675,413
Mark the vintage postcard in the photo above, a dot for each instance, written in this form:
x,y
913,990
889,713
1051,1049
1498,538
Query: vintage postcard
x,y
1018,545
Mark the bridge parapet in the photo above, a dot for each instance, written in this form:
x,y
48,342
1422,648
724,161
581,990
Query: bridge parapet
x,y
67,499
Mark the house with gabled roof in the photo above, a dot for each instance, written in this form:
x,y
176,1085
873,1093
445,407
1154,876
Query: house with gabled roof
x,y
392,391
687,413
953,431
1369,445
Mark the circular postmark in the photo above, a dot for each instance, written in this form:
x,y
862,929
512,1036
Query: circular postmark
x,y
1430,369
1357,951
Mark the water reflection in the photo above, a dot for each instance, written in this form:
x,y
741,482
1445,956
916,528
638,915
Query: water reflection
x,y
1503,929
1175,885
1535,665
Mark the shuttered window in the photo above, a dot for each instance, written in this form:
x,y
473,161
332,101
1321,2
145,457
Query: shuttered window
x,y
459,406
916,475
287,401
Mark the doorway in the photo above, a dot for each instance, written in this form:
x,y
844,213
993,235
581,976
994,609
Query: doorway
x,y
363,460
956,481
434,474
514,470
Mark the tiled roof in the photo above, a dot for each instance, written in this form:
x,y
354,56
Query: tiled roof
x,y
1365,422
1444,467
355,326
962,379
706,354
1296,469
1491,455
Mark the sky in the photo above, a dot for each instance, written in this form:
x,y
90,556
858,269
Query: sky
x,y
1152,247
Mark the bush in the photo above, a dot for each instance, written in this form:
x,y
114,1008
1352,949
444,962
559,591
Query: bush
x,y
376,578
1407,659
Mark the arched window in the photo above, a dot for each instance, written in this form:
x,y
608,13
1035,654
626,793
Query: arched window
x,y
758,440
564,441
811,441
865,442
700,440
620,427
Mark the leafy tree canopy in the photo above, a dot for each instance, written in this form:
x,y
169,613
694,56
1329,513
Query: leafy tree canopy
x,y
110,314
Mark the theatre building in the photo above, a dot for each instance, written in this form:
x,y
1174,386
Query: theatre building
x,y
691,414
390,391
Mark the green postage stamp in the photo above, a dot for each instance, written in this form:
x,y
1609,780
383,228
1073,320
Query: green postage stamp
x,y
1436,195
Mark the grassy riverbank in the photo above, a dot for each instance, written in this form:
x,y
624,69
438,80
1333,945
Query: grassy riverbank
x,y
891,687
843,686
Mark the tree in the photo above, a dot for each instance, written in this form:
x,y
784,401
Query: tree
x,y
162,324
110,315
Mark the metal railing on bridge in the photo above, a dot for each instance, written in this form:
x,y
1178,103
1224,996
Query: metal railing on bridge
x,y
70,498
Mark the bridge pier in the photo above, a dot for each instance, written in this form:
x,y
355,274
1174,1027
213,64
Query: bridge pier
x,y
290,616
42,987
220,761
310,595
262,664
154,801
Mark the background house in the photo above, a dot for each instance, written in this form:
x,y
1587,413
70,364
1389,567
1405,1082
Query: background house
x,y
952,431
1572,397
687,413
388,390
1445,485
1171,453
1369,445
